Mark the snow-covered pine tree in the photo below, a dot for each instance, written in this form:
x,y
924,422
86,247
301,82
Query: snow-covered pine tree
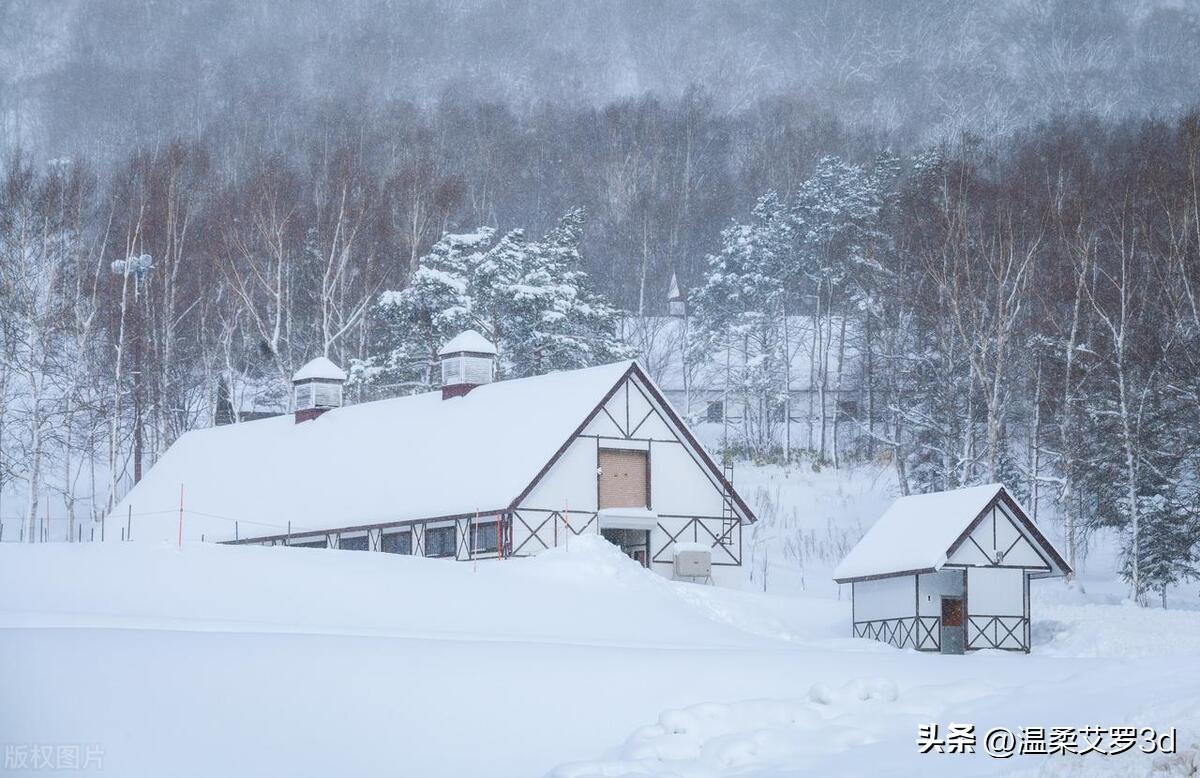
x,y
493,281
1169,550
557,322
921,380
837,216
739,311
531,298
417,320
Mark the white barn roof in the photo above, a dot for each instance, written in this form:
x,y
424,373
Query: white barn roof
x,y
384,461
321,367
918,532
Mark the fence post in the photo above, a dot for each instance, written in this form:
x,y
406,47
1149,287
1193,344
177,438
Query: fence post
x,y
181,515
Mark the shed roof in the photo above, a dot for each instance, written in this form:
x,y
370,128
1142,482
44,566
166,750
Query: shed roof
x,y
390,460
917,533
468,340
321,367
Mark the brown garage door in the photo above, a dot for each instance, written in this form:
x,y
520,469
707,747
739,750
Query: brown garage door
x,y
624,479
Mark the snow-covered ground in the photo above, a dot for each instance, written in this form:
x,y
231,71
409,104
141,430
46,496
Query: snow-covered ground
x,y
213,660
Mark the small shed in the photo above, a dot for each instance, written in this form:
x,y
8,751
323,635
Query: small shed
x,y
949,572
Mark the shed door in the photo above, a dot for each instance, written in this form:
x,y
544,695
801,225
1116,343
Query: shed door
x,y
624,479
952,625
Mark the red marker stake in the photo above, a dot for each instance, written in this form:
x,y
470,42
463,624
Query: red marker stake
x,y
181,515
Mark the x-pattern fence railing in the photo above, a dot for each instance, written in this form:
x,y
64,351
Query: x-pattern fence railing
x,y
921,633
988,631
897,632
546,528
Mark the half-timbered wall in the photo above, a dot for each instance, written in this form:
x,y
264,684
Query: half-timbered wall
x,y
997,608
998,556
687,502
885,609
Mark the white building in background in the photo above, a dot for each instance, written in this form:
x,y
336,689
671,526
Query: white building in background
x,y
949,572
825,384
478,470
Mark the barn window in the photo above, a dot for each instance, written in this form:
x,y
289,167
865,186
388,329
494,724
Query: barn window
x,y
440,541
327,395
715,412
484,537
355,543
477,371
304,396
309,543
396,542
452,370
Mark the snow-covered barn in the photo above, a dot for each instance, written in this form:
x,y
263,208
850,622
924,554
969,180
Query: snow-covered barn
x,y
949,572
481,469
823,375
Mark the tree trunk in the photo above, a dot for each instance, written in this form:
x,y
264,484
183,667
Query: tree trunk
x,y
837,394
787,390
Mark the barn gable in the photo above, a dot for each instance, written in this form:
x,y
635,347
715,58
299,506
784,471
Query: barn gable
x,y
629,414
634,415
669,492
998,540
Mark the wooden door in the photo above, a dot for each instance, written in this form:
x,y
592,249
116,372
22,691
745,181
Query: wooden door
x,y
952,612
624,479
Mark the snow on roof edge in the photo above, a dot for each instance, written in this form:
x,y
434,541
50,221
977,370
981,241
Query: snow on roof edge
x,y
915,533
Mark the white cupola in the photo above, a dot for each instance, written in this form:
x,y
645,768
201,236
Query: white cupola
x,y
317,387
468,361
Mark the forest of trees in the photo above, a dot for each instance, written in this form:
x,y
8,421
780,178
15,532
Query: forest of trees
x,y
1025,314
994,207
1024,307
